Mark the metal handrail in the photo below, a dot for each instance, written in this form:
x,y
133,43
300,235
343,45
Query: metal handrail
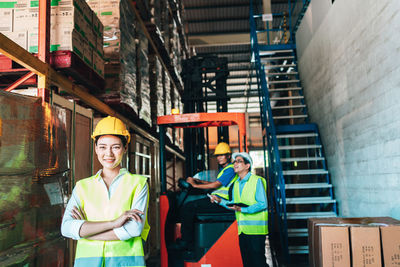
x,y
275,174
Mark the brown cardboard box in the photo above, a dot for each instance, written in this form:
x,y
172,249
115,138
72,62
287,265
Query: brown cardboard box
x,y
390,237
87,53
98,63
70,17
365,246
81,6
335,246
315,223
6,19
20,38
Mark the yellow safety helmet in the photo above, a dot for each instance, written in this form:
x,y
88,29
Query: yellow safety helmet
x,y
111,125
222,149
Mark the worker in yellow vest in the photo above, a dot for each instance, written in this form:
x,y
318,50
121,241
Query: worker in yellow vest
x,y
107,212
225,178
249,201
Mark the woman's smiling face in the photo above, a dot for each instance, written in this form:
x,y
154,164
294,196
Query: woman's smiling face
x,y
109,150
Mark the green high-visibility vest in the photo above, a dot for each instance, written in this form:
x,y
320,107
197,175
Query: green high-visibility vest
x,y
223,191
250,223
97,206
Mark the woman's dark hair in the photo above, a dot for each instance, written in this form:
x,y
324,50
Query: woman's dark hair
x,y
123,139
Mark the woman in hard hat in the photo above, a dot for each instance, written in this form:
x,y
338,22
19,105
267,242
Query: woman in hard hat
x,y
107,211
225,178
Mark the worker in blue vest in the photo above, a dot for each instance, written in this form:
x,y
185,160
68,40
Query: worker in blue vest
x,y
249,201
225,178
107,211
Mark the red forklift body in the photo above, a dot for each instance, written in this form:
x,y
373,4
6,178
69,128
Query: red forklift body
x,y
225,251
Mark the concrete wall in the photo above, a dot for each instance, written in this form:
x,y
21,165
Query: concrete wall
x,y
349,63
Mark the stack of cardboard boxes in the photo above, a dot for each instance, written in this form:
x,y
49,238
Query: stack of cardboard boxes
x,y
356,242
74,27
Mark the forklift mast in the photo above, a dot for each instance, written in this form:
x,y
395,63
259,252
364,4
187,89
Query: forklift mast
x,y
204,81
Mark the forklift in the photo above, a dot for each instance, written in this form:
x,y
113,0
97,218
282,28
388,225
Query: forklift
x,y
216,241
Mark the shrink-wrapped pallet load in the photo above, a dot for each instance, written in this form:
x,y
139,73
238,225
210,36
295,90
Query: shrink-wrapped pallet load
x,y
156,89
33,174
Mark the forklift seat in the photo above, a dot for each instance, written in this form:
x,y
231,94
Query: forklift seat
x,y
216,217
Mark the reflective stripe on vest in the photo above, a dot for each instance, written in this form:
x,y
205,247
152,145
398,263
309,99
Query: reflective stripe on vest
x,y
255,223
97,206
223,191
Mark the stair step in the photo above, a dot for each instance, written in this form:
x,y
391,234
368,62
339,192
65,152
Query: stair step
x,y
279,66
297,232
310,200
269,52
290,117
301,135
306,215
281,73
295,147
284,89
287,97
283,81
266,58
307,186
302,159
298,249
305,172
284,107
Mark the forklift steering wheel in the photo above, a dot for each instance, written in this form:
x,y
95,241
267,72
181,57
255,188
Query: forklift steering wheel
x,y
184,185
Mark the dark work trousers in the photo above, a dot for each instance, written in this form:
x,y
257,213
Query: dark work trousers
x,y
189,212
252,249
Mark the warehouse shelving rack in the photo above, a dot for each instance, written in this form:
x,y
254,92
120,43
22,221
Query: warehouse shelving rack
x,y
48,76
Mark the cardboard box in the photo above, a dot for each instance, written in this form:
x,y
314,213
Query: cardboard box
x,y
33,41
81,6
335,246
94,6
100,44
20,38
6,19
27,19
71,40
390,237
87,53
98,63
314,224
365,246
70,17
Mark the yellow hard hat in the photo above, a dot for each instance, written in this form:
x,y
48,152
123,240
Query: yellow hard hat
x,y
111,125
222,149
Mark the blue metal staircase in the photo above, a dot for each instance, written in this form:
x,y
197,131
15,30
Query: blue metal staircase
x,y
298,177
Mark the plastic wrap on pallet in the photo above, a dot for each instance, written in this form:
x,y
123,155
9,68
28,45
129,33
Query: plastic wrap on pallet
x,y
167,94
160,89
38,136
128,57
144,84
156,89
156,10
34,171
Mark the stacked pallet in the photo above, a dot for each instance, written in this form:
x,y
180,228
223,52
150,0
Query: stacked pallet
x,y
74,27
33,179
134,75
